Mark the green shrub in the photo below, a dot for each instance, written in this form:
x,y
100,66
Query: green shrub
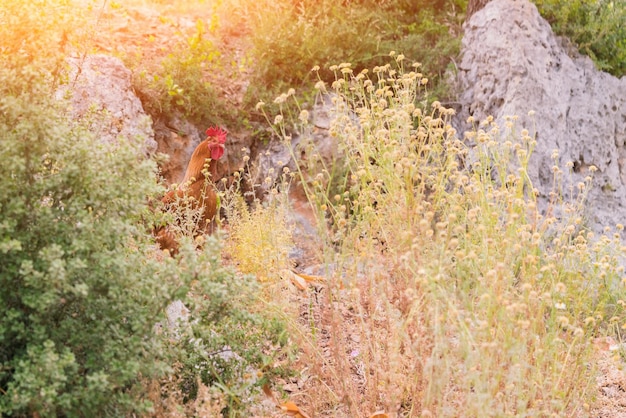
x,y
82,287
79,297
595,26
181,81
227,344
289,38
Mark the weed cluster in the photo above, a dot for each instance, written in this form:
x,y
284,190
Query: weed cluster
x,y
287,38
462,294
261,240
596,27
180,82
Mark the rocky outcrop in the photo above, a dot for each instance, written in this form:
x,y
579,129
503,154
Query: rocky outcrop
x,y
277,154
177,139
513,63
100,93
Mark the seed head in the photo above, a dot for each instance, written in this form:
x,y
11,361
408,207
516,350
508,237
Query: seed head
x,y
281,99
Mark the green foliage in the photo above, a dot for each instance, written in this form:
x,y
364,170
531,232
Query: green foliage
x,y
224,342
226,345
289,38
597,27
79,297
82,288
181,82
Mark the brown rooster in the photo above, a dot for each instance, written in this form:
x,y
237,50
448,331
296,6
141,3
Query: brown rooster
x,y
196,187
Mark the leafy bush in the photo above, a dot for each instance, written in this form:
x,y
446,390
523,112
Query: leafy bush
x,y
79,298
179,82
82,286
289,38
226,345
596,27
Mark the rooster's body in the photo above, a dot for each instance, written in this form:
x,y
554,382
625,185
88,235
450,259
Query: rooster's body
x,y
196,189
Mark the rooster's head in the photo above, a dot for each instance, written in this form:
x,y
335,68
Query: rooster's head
x,y
216,138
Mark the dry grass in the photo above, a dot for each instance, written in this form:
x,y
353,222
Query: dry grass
x,y
260,241
168,400
449,292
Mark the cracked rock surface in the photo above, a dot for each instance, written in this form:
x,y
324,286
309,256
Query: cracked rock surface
x,y
512,63
99,89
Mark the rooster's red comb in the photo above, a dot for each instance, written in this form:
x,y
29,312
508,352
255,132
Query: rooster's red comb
x,y
217,133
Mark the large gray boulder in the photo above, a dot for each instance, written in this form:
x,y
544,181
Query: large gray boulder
x,y
512,63
99,91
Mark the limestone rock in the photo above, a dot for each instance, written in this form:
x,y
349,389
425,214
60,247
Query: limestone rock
x,y
177,139
276,154
513,63
99,91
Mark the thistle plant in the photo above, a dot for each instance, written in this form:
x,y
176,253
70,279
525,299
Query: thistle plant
x,y
466,293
